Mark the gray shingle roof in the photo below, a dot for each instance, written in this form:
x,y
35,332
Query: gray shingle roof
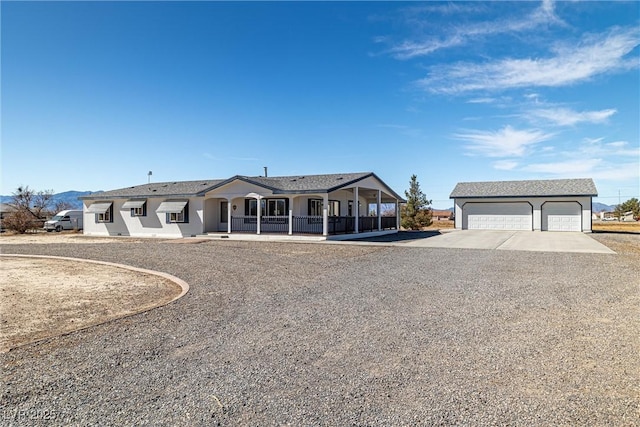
x,y
298,184
157,189
308,183
534,188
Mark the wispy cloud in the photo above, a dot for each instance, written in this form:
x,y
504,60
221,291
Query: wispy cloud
x,y
593,158
506,142
567,168
569,64
505,165
595,147
568,117
593,168
617,144
617,172
463,34
485,100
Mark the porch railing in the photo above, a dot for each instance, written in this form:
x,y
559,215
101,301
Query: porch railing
x,y
309,224
244,224
368,223
389,222
341,224
274,224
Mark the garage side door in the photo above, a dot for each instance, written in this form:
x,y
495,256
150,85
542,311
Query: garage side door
x,y
561,216
497,216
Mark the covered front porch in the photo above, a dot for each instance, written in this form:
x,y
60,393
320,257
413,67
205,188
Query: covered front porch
x,y
260,212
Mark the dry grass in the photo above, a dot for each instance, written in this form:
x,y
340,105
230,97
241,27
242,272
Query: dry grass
x,y
43,297
630,226
438,224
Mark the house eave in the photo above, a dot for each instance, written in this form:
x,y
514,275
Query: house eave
x,y
522,196
138,196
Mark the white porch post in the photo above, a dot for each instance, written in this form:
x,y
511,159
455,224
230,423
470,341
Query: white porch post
x,y
290,215
290,222
378,210
259,214
356,203
325,214
229,209
397,215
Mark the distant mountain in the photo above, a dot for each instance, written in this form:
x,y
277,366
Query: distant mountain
x,y
70,197
599,207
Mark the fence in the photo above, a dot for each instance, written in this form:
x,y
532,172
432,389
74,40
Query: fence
x,y
309,224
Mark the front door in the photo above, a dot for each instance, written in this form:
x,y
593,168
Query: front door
x,y
224,215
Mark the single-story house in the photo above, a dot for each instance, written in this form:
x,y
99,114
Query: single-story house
x,y
439,215
607,215
5,210
320,205
547,205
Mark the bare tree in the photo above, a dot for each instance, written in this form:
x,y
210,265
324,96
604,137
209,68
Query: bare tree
x,y
60,205
22,198
41,202
29,207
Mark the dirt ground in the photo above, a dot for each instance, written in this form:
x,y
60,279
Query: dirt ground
x,y
42,298
64,296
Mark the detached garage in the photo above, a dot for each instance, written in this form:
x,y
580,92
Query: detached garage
x,y
547,205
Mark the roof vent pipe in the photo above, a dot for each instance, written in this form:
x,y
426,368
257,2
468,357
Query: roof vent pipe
x,y
265,171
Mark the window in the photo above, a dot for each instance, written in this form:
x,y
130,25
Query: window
x,y
334,208
176,210
350,208
315,207
251,207
103,211
276,207
179,217
136,206
268,207
106,216
176,216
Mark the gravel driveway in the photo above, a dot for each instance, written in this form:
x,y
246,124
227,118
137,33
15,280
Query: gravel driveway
x,y
319,334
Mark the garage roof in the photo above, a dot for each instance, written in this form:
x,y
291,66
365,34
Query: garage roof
x,y
533,188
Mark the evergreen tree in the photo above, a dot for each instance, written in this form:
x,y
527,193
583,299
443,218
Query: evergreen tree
x,y
416,213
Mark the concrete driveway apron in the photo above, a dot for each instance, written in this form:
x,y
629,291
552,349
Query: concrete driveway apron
x,y
515,241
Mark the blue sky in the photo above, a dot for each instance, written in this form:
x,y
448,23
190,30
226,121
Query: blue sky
x,y
96,94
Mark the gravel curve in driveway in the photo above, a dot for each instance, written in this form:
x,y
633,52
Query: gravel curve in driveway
x,y
318,334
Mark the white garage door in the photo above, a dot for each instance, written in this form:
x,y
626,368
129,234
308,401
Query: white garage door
x,y
497,216
561,216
